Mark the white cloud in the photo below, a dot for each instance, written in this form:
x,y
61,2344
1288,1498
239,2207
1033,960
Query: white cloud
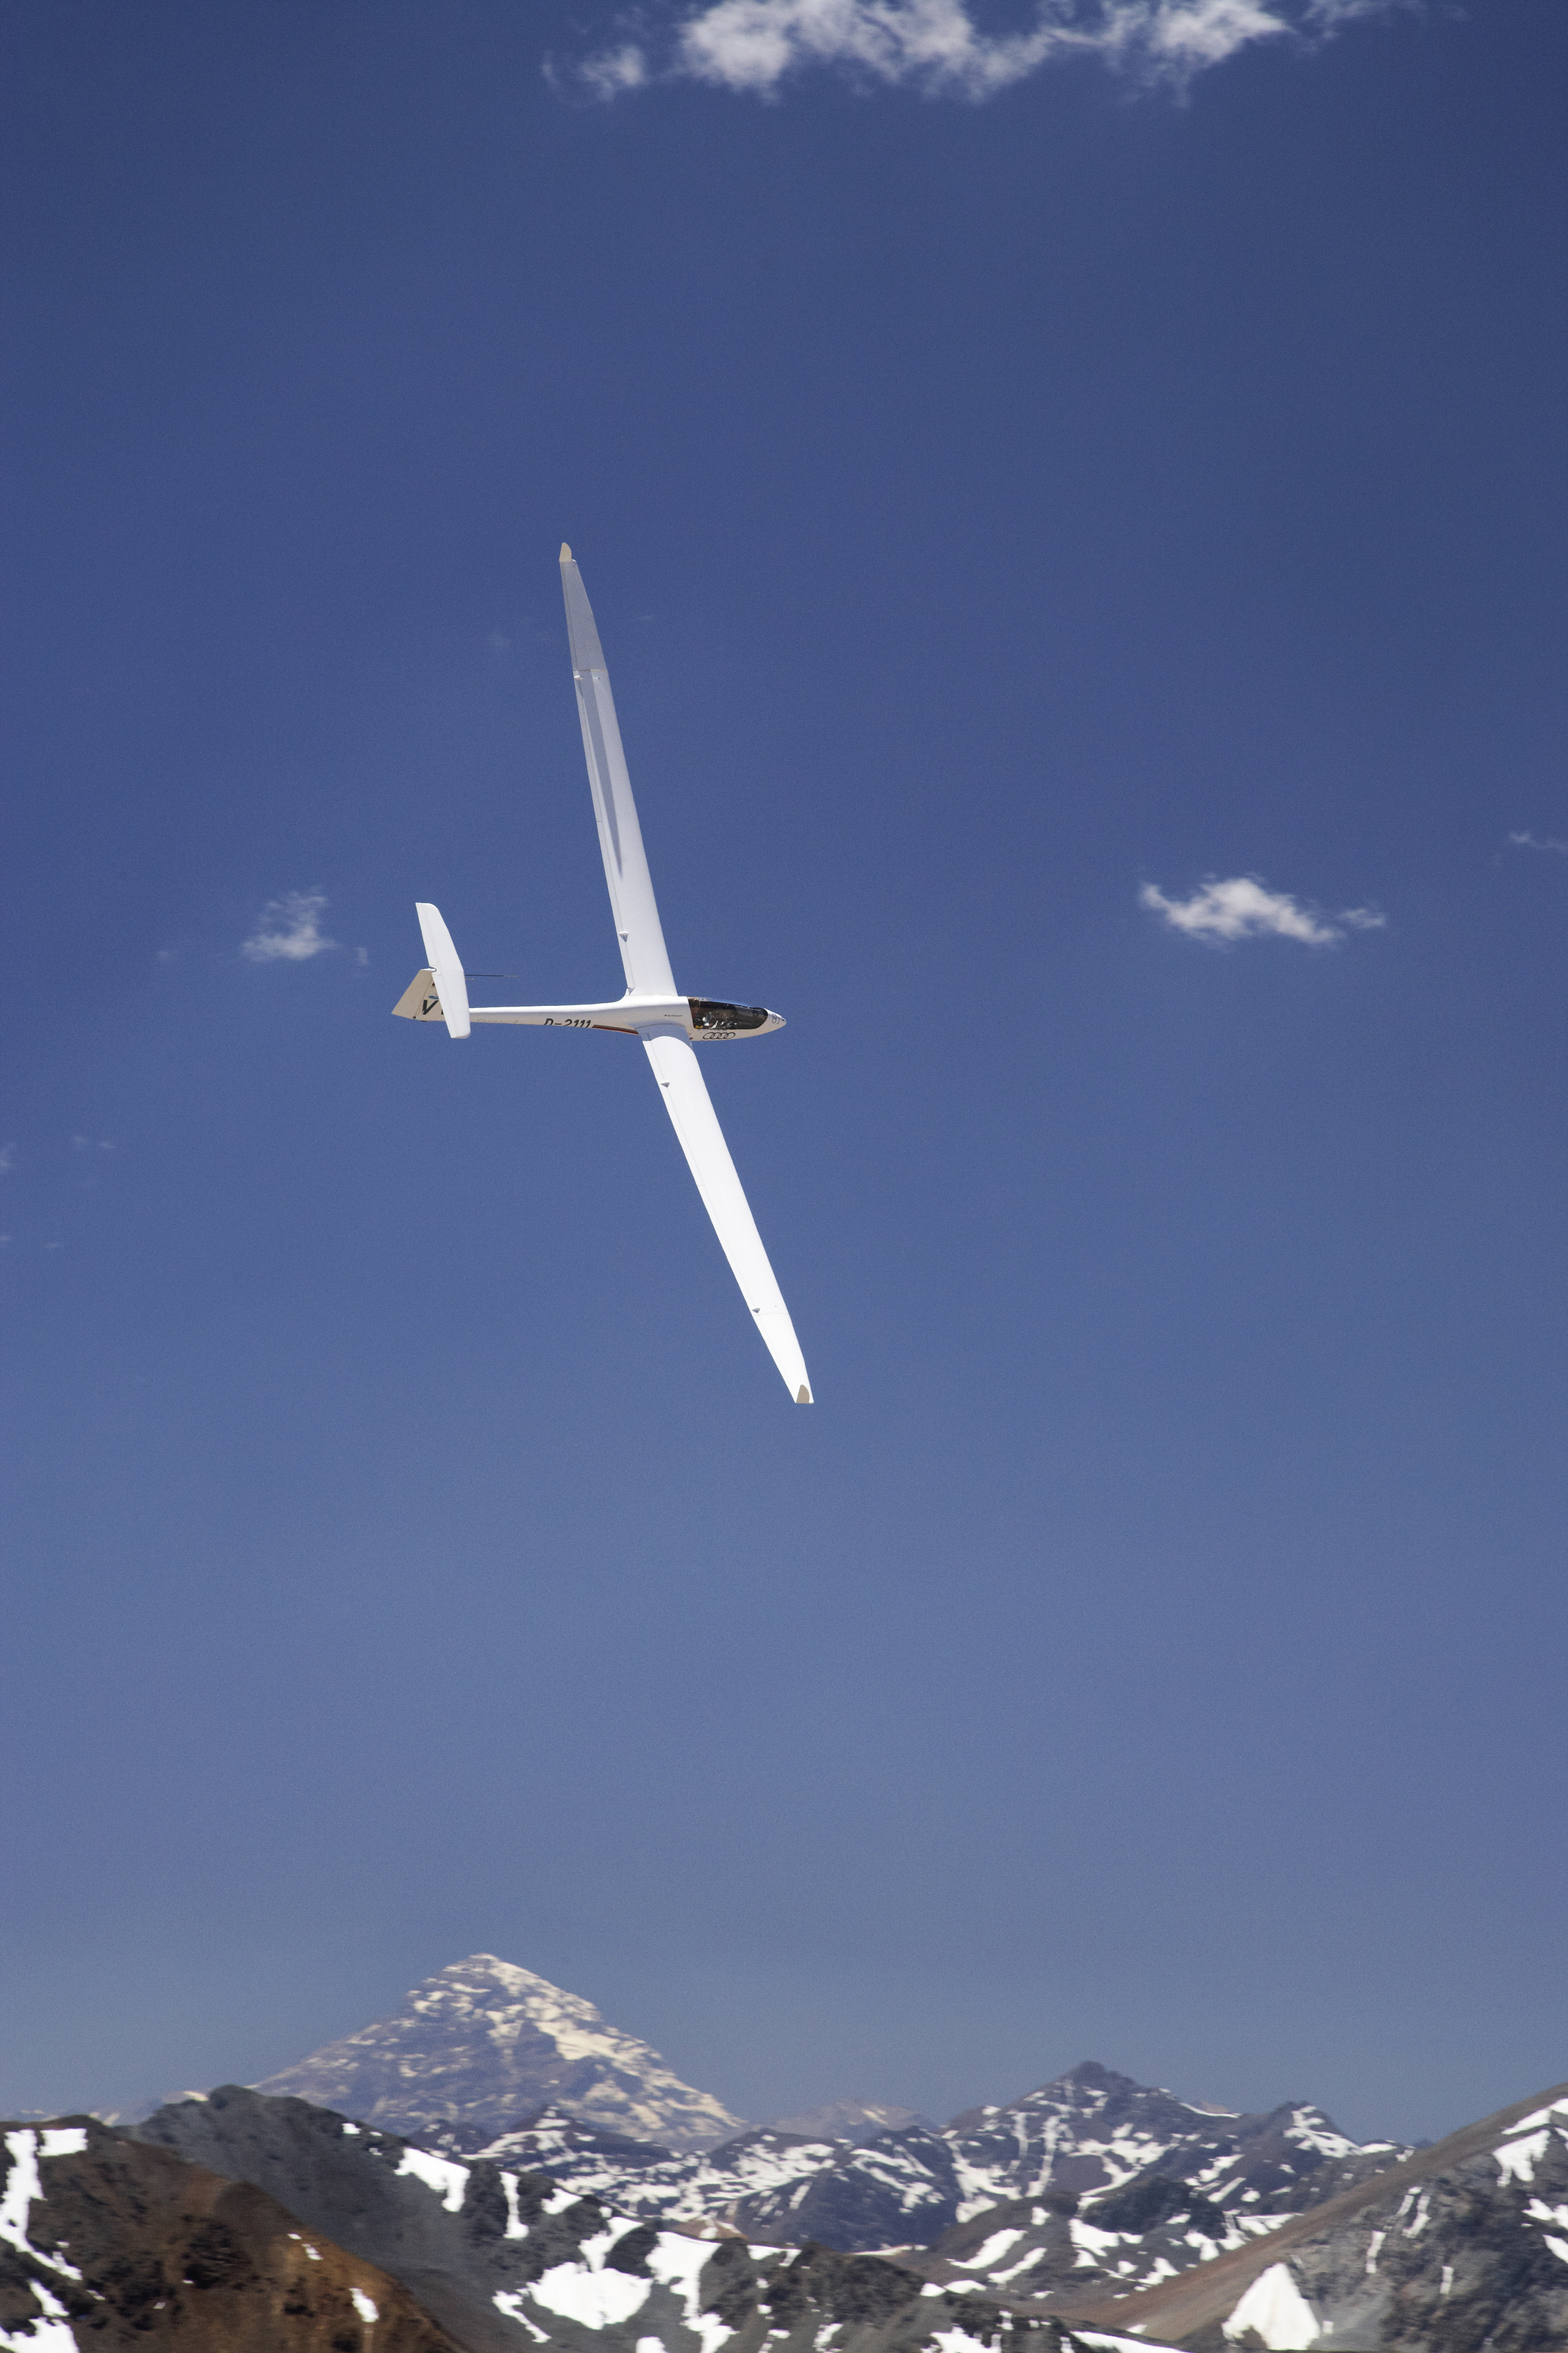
x,y
1539,841
7,1158
936,46
1244,909
610,72
288,928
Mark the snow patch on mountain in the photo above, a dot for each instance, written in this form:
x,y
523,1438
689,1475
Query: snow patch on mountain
x,y
25,2188
1275,2311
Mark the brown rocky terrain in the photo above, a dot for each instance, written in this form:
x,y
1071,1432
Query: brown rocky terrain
x,y
108,2243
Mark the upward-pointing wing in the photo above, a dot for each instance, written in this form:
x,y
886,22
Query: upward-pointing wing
x,y
642,951
708,1156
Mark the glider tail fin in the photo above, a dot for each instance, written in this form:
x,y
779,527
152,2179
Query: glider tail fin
x,y
450,986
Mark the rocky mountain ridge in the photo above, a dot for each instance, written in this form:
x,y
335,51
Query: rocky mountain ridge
x,y
1460,2248
1131,2184
113,2240
241,2223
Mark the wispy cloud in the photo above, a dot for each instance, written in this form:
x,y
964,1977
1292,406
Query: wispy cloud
x,y
288,928
605,73
936,46
7,1158
1539,841
1244,909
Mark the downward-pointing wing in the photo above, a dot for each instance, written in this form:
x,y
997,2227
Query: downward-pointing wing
x,y
637,925
647,963
708,1156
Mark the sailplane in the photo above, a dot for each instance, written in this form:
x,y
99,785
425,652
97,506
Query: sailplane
x,y
669,1025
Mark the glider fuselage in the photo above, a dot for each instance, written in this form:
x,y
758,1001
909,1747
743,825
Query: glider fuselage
x,y
702,1020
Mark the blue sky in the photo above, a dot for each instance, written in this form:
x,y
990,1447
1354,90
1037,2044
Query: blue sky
x,y
1071,523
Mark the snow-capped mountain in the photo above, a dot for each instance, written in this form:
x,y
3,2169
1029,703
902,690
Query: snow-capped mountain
x,y
1461,2248
487,2059
1091,2132
246,2224
1456,2248
484,2044
505,2262
653,2223
1093,2180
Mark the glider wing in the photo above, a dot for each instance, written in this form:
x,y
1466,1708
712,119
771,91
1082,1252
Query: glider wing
x,y
708,1156
637,927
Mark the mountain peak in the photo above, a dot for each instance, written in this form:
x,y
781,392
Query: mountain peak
x,y
483,2043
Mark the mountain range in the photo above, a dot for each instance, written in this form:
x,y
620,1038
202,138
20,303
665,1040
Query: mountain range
x,y
1130,2183
1092,2211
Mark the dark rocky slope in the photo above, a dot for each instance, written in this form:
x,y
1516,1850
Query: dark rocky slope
x,y
107,2244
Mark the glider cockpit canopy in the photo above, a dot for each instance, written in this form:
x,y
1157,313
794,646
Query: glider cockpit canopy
x,y
709,1013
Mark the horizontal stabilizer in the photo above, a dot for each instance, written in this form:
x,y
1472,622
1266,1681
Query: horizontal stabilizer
x,y
421,1001
450,986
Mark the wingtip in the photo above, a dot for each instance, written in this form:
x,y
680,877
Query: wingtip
x,y
565,553
802,1396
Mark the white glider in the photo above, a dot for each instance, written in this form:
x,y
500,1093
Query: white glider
x,y
669,1025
